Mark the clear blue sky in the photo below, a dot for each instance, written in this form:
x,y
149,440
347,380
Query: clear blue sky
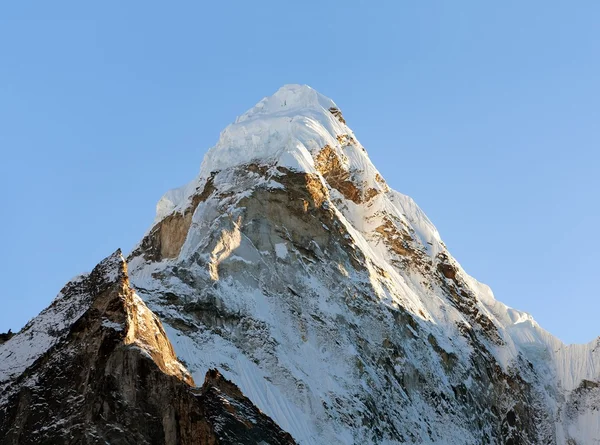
x,y
486,113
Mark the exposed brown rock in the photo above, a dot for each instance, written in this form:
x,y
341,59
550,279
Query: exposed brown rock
x,y
447,270
115,379
167,237
397,241
299,212
329,164
345,139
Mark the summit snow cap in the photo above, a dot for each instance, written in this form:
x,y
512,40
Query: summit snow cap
x,y
296,128
286,129
287,99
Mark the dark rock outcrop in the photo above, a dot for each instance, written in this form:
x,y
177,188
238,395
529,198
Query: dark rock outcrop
x,y
5,336
338,114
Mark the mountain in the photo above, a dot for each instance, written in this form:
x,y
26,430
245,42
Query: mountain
x,y
329,299
96,367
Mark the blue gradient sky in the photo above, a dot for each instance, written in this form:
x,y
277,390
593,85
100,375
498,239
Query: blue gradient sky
x,y
487,113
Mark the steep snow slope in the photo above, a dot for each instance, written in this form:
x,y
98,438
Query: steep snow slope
x,y
330,298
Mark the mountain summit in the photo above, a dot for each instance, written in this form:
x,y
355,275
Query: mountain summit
x,y
332,303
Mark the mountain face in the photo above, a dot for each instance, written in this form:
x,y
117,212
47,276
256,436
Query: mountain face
x,y
96,367
329,299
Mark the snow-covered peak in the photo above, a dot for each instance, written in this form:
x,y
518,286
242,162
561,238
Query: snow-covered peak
x,y
289,99
286,129
302,130
348,278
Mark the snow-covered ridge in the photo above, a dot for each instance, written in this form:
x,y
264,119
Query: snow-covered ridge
x,y
54,322
292,129
41,333
329,298
289,129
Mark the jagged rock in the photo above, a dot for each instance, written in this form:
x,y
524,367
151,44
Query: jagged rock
x,y
4,337
112,377
331,166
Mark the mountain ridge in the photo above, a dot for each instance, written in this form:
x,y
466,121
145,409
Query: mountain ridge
x,y
278,137
332,302
111,376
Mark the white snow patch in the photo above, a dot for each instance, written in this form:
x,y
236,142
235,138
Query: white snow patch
x,y
112,325
281,250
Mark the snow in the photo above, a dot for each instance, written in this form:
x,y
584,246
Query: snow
x,y
288,129
281,250
112,325
284,128
247,376
41,333
296,329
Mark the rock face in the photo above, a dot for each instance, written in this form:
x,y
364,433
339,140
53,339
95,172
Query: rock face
x,y
112,377
290,266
